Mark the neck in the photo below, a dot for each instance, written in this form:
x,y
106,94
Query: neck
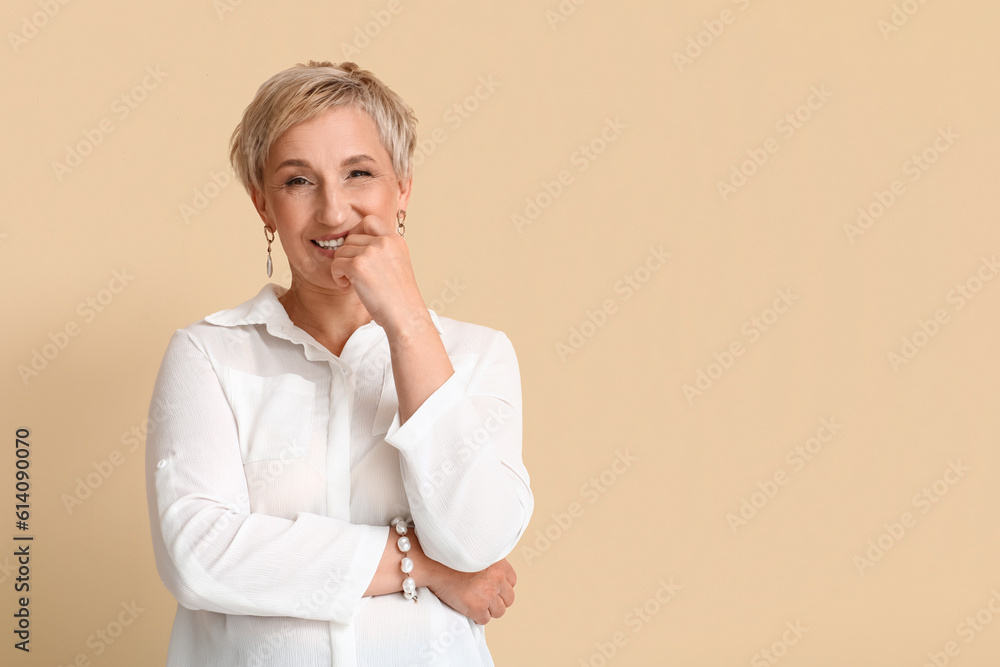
x,y
327,316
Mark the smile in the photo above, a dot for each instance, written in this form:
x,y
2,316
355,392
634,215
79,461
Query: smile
x,y
334,243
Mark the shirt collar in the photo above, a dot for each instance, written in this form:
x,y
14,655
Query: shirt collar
x,y
266,309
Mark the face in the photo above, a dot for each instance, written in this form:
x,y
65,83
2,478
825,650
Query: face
x,y
321,178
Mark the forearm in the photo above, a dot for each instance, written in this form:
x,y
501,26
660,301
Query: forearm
x,y
478,596
461,458
223,561
419,360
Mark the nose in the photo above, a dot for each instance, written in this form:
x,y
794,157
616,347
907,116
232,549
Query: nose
x,y
333,207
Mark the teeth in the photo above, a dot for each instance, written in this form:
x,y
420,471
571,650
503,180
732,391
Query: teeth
x,y
335,243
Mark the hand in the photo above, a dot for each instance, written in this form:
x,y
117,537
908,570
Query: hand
x,y
375,261
477,595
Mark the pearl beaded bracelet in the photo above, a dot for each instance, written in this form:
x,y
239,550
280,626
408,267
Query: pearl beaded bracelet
x,y
406,565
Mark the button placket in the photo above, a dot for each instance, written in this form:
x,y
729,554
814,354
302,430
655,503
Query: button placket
x,y
338,452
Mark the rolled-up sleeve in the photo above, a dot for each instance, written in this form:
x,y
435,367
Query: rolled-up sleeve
x,y
211,551
460,458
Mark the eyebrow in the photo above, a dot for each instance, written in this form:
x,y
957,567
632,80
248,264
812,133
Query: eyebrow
x,y
297,162
355,159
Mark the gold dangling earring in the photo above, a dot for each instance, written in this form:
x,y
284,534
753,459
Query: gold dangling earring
x,y
400,227
269,235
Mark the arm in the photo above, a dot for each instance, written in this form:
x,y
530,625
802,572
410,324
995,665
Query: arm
x,y
211,551
460,448
478,595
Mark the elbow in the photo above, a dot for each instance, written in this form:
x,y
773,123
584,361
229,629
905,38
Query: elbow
x,y
185,594
181,583
183,572
190,551
195,589
478,542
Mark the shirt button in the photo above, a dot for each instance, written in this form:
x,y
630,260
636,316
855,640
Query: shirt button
x,y
162,463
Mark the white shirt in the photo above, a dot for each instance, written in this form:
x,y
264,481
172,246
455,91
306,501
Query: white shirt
x,y
273,469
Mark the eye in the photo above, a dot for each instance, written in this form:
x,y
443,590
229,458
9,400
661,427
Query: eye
x,y
360,172
298,180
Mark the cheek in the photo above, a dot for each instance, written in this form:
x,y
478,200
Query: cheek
x,y
376,199
288,204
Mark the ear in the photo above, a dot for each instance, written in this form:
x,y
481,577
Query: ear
x,y
405,188
259,203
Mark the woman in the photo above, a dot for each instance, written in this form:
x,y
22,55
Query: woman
x,y
288,435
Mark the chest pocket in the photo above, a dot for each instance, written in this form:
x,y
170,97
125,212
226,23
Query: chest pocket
x,y
273,414
388,403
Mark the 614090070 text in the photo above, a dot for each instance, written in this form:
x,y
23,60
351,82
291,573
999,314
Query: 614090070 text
x,y
22,542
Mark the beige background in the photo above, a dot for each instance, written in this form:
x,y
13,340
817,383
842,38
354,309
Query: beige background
x,y
667,515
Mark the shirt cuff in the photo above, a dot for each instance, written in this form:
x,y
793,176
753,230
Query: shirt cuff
x,y
407,436
361,571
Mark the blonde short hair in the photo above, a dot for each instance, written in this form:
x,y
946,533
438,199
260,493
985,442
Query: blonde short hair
x,y
305,91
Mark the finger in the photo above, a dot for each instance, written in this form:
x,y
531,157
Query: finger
x,y
355,244
497,607
363,233
482,618
507,593
338,273
340,280
511,575
352,244
374,226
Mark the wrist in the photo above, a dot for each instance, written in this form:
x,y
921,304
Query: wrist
x,y
409,327
405,544
426,571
